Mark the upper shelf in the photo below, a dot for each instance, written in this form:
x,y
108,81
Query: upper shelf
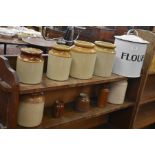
x,y
47,84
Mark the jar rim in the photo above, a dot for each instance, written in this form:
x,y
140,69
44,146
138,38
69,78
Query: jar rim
x,y
82,43
32,51
61,47
105,44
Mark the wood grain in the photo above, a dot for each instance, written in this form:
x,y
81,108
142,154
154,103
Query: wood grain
x,y
9,96
146,116
48,85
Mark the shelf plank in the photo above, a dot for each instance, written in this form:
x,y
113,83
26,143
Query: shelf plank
x,y
47,84
146,116
151,73
72,117
148,96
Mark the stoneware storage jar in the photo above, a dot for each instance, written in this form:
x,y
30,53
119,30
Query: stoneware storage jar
x,y
83,60
117,92
105,58
130,53
59,62
31,109
29,66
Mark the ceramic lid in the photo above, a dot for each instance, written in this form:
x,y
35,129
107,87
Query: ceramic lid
x,y
132,38
60,50
61,47
32,51
84,44
104,44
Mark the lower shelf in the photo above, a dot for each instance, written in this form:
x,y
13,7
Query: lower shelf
x,y
145,116
149,96
71,118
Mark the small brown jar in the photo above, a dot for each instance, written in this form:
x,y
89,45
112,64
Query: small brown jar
x,y
102,97
58,109
82,103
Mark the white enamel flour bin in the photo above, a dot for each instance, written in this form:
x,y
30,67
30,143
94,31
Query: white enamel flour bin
x,y
130,53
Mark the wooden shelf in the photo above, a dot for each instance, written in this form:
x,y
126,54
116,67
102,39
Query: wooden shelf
x,y
73,117
145,116
147,98
151,73
47,84
149,91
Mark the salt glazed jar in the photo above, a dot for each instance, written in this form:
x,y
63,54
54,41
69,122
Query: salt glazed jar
x,y
83,60
59,62
105,58
29,66
31,109
117,92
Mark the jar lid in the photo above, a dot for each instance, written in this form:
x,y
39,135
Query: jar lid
x,y
132,38
104,44
32,51
60,51
84,44
61,47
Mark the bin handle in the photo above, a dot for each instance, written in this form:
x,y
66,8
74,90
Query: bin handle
x,y
132,31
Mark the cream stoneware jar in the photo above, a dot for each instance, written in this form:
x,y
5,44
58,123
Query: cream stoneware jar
x,y
105,58
31,109
117,92
83,60
29,66
59,62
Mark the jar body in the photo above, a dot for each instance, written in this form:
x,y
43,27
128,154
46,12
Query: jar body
x,y
104,61
29,66
59,63
30,111
58,68
82,103
29,72
117,92
83,62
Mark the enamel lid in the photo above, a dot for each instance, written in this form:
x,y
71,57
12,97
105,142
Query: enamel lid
x,y
132,38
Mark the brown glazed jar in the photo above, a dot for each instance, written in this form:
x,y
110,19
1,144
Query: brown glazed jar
x,y
58,109
31,107
102,97
30,65
82,103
